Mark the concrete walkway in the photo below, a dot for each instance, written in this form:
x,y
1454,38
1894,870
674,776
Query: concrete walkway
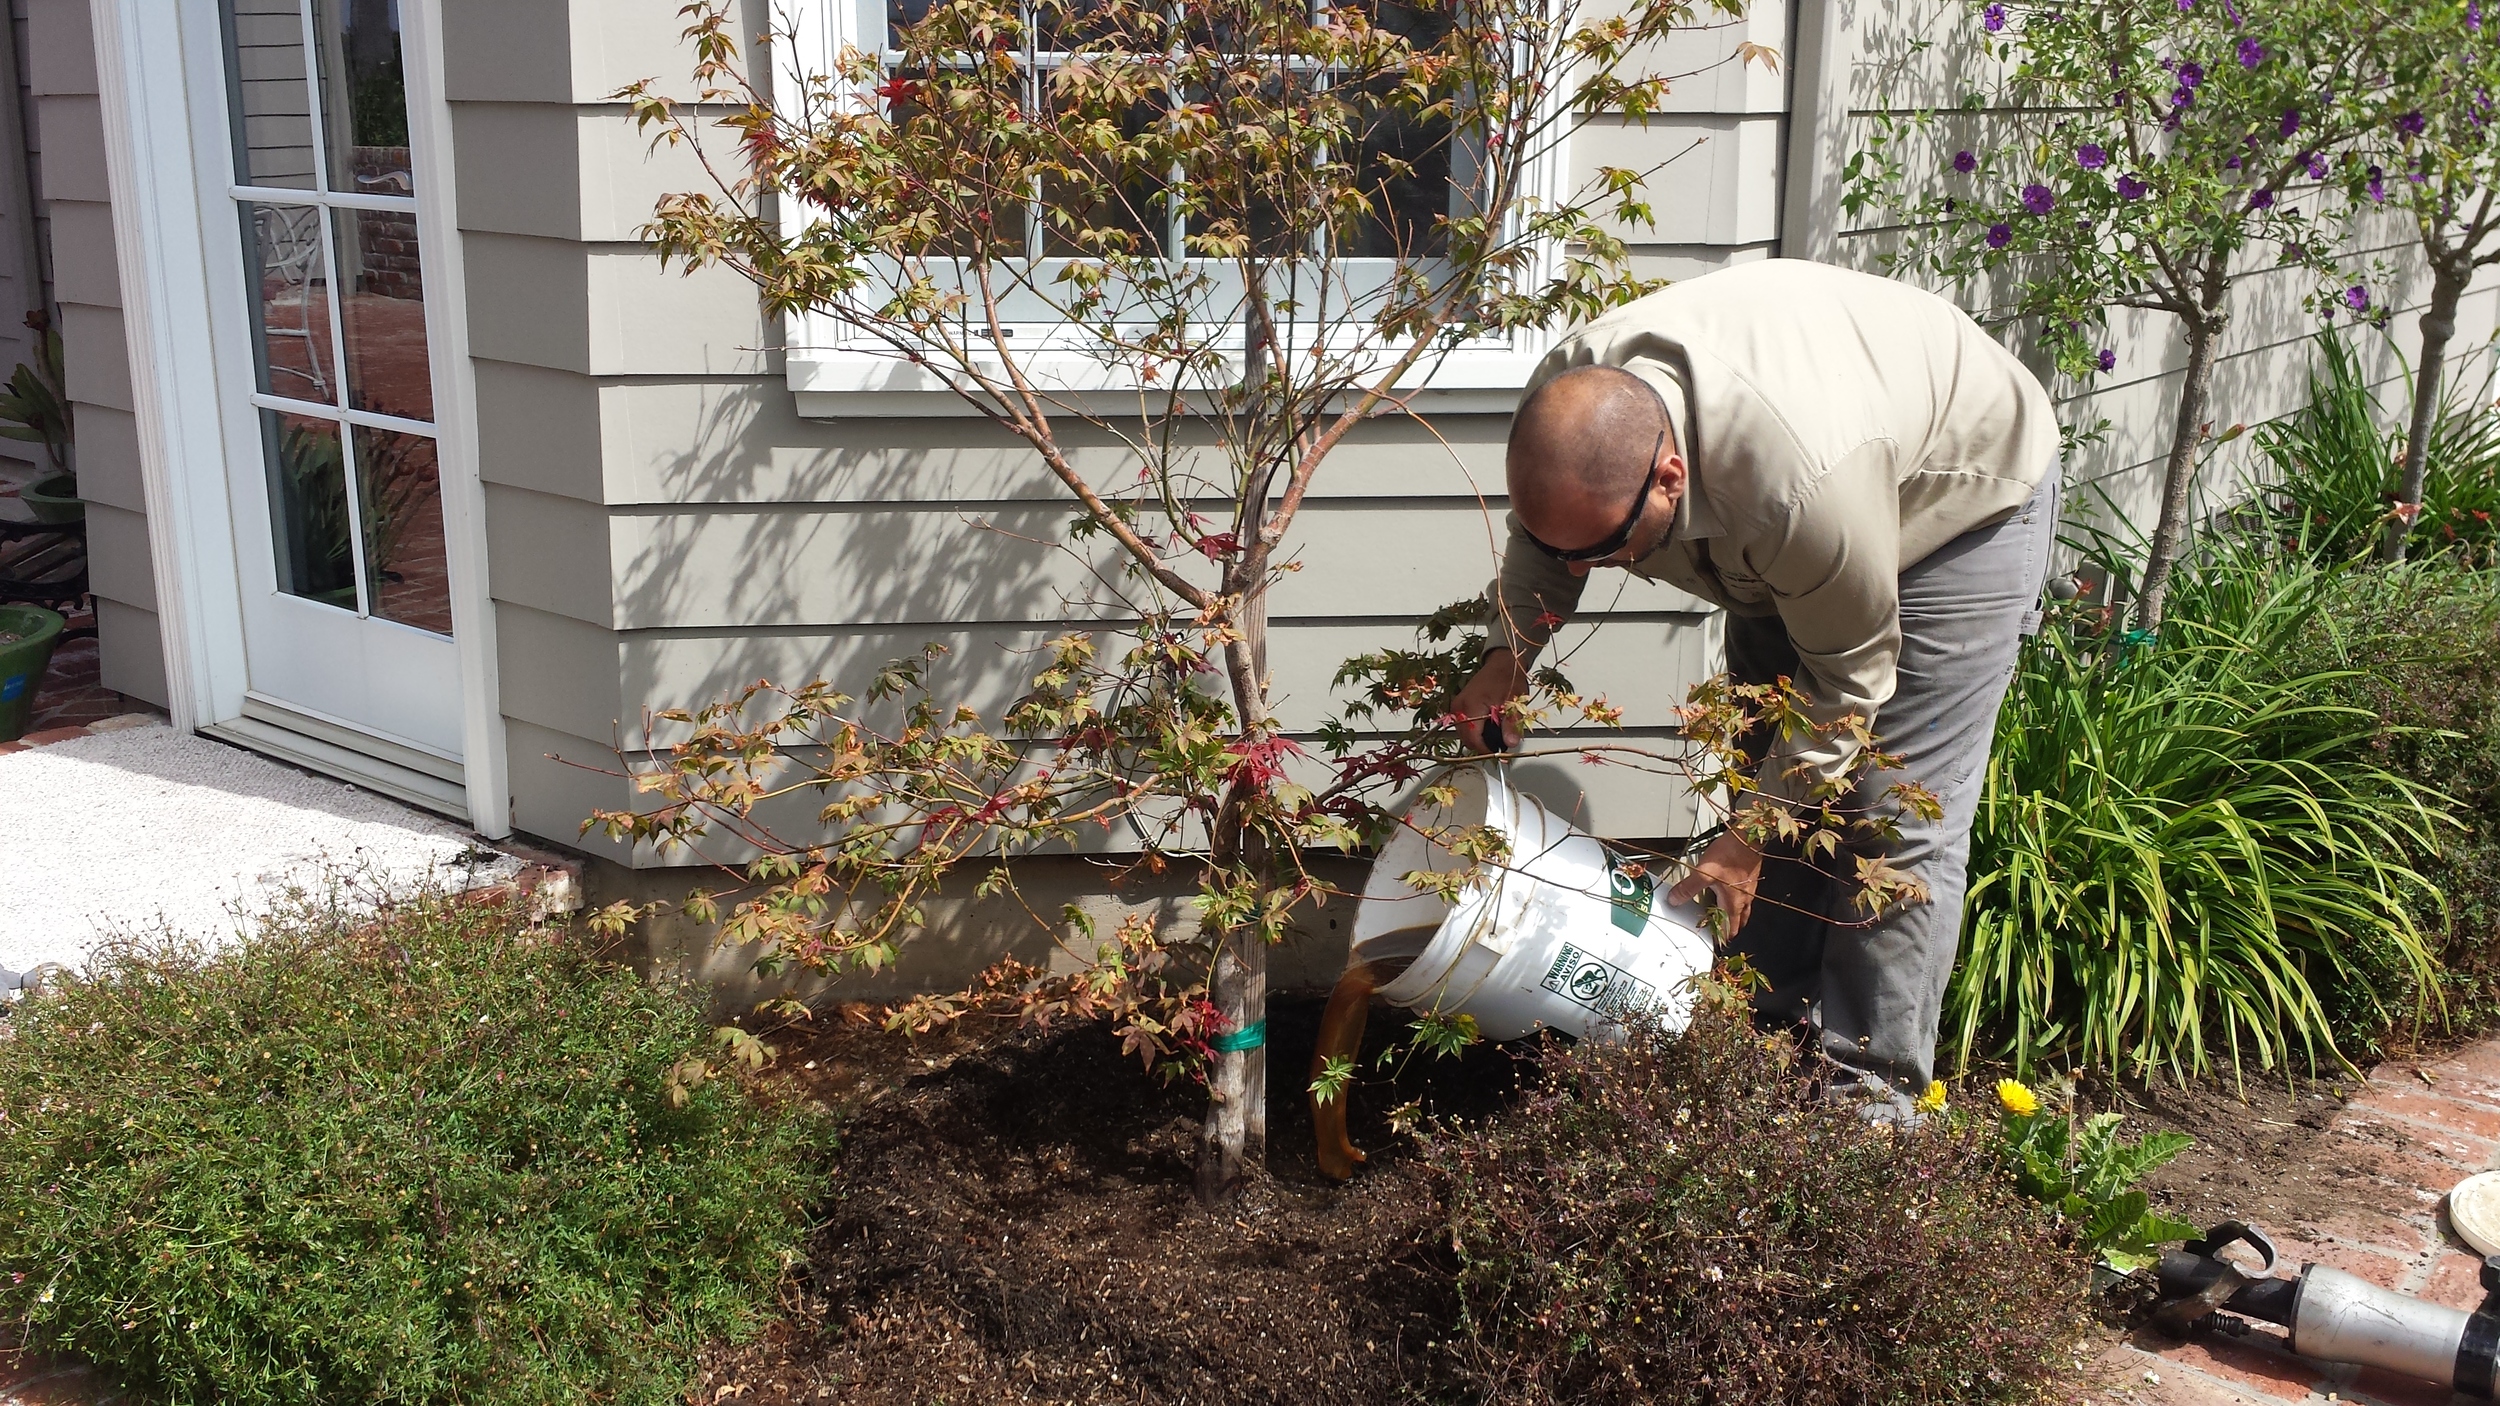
x,y
2419,1129
133,828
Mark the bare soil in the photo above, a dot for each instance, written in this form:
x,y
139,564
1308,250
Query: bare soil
x,y
2262,1154
1013,1221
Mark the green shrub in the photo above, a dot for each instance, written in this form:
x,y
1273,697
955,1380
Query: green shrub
x,y
2189,844
2419,648
1684,1220
429,1158
2334,467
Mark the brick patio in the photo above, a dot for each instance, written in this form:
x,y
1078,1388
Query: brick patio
x,y
2447,1114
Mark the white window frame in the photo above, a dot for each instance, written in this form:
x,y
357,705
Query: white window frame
x,y
836,372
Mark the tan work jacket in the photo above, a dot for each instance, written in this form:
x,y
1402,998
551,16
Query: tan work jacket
x,y
1837,427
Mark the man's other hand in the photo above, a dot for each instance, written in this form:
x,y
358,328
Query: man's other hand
x,y
1480,704
1730,867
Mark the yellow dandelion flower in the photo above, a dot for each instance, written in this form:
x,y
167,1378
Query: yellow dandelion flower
x,y
2018,1100
1931,1101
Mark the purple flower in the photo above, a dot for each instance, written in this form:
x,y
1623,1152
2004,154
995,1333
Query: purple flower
x,y
2261,199
2251,53
2410,124
1964,162
2378,183
2191,73
2107,359
2474,15
2181,99
2357,298
1993,17
2090,157
2290,122
2186,5
2317,165
2129,188
2000,234
2233,11
2231,165
2037,199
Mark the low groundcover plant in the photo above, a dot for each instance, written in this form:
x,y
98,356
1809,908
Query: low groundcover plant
x,y
1685,1219
429,1157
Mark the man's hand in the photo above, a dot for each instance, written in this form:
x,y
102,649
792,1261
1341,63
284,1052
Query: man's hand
x,y
1479,705
1732,869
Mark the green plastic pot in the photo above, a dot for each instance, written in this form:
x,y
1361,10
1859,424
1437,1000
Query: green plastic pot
x,y
27,634
53,498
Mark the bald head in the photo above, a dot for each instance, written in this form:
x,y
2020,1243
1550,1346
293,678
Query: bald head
x,y
1581,447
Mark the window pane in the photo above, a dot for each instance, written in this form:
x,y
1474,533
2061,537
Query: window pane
x,y
270,100
1085,213
308,509
283,263
1404,173
985,206
382,303
402,502
364,96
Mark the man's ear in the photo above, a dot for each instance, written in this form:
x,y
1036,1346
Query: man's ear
x,y
1671,475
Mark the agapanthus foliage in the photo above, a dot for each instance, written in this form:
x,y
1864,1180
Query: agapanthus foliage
x,y
2132,154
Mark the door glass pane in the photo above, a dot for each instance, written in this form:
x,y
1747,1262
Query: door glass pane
x,y
364,96
403,518
272,112
309,523
382,303
291,312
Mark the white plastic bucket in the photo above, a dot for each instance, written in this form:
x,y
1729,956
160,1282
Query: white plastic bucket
x,y
1565,935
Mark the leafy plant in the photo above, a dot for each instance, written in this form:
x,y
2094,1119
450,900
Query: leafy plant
x,y
1685,1219
2427,147
1261,223
2335,472
34,406
2413,642
432,1156
2183,845
2088,1175
2134,154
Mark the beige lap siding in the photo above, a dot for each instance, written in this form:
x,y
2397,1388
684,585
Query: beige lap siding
x,y
1838,427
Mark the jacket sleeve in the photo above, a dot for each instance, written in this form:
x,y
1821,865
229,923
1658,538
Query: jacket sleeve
x,y
1834,569
1533,597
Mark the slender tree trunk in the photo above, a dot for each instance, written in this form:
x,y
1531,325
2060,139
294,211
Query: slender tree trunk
x,y
1232,1146
2439,323
2179,474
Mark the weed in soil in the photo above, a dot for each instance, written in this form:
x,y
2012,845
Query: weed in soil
x,y
1011,1220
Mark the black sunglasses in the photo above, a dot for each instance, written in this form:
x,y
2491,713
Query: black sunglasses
x,y
1623,534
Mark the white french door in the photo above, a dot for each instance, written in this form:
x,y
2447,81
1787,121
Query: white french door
x,y
329,377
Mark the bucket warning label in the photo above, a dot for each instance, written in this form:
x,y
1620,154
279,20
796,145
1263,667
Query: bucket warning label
x,y
1597,984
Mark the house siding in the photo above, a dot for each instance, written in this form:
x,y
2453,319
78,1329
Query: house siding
x,y
68,133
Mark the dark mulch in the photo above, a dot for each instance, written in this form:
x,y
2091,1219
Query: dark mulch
x,y
1013,1221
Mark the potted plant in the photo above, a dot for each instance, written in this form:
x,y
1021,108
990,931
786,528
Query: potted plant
x,y
35,407
27,635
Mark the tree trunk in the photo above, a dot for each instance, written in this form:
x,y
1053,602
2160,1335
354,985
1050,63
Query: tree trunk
x,y
2439,323
1232,1146
2179,474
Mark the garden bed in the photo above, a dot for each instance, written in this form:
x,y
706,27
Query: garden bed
x,y
1012,1220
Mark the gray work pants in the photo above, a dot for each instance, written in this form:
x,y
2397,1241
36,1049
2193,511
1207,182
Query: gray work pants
x,y
1871,990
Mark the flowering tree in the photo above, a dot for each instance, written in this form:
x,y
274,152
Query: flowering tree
x,y
2134,154
2429,146
1217,238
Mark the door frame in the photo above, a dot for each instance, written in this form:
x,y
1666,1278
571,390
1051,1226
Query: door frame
x,y
161,85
